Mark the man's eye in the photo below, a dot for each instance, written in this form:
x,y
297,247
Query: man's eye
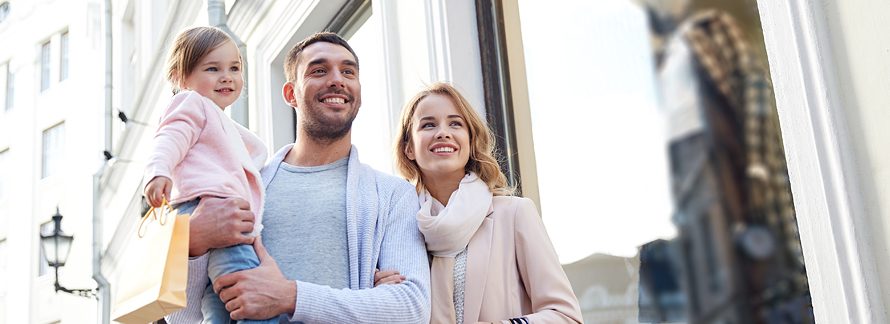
x,y
349,72
318,71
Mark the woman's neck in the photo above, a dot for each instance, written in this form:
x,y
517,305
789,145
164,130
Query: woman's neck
x,y
442,186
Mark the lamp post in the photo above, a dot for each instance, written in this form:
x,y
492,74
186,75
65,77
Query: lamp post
x,y
56,248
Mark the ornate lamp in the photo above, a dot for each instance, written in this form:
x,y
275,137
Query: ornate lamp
x,y
56,248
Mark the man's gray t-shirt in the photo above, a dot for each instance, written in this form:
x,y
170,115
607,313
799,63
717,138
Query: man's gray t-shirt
x,y
304,223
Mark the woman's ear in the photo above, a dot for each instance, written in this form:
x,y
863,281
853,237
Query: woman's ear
x,y
409,151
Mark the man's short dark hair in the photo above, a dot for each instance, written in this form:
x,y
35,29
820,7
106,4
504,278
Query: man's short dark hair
x,y
293,56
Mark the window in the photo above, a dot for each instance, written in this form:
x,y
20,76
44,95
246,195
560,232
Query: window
x,y
44,67
4,158
63,64
43,267
10,87
4,11
53,150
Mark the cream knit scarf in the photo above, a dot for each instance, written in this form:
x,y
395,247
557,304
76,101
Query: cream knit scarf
x,y
447,232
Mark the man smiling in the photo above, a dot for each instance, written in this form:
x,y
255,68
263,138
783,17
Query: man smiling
x,y
329,220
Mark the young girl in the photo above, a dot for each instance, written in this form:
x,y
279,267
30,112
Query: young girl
x,y
198,151
492,258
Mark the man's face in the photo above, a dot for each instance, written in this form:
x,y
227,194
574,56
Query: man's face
x,y
326,92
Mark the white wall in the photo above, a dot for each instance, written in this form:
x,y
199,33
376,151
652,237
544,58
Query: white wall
x,y
859,34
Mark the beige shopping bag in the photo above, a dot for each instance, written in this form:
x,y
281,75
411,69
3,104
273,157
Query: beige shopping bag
x,y
155,269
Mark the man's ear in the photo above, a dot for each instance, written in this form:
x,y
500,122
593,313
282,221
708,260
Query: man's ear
x,y
288,92
409,151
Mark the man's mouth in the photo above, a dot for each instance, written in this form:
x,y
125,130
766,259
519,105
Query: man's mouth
x,y
334,100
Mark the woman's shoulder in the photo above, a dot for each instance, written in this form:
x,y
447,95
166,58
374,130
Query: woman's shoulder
x,y
513,205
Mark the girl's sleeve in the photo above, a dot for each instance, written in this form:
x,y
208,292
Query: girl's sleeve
x,y
545,282
178,130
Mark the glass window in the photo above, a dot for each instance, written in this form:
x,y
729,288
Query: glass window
x,y
672,144
44,67
63,64
43,267
373,120
53,150
10,87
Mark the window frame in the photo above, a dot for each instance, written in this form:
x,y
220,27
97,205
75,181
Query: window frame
x,y
43,267
55,154
45,55
64,56
9,99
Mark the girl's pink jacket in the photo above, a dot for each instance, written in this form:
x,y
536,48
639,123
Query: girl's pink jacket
x,y
192,148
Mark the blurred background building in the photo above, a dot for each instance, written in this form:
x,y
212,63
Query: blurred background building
x,y
648,132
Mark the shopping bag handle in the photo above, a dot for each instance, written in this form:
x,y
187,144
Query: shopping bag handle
x,y
162,220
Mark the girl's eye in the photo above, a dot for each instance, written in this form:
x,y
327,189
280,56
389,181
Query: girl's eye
x,y
234,69
213,69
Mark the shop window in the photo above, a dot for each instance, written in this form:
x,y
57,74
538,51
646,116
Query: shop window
x,y
4,173
657,144
10,88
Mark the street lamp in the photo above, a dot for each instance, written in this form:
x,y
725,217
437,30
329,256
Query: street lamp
x,y
56,248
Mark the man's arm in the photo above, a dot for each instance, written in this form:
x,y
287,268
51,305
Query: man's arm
x,y
254,291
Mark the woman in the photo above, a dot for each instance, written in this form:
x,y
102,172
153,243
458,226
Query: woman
x,y
492,258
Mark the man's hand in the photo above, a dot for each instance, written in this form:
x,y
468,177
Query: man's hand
x,y
387,277
157,188
258,293
218,223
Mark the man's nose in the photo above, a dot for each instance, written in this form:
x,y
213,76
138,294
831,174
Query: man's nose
x,y
336,80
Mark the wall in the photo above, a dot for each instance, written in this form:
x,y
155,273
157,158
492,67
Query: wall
x,y
858,33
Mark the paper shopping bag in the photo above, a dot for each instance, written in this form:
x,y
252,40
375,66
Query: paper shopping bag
x,y
155,269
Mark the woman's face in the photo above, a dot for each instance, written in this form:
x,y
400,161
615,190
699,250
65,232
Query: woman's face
x,y
440,140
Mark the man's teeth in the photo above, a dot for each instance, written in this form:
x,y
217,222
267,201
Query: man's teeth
x,y
335,100
443,150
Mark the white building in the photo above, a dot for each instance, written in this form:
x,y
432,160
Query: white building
x,y
52,71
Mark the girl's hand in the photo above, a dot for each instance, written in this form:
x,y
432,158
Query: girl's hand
x,y
156,189
387,277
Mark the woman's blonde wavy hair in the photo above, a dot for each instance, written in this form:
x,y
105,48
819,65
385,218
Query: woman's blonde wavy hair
x,y
482,144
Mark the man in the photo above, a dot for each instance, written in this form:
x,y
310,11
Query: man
x,y
329,221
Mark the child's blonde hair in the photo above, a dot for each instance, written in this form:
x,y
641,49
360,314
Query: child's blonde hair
x,y
190,47
482,144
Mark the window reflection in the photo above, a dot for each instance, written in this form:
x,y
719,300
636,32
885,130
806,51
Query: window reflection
x,y
660,164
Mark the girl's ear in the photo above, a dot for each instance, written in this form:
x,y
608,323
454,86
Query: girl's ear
x,y
409,151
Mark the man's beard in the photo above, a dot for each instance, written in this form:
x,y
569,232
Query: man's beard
x,y
322,129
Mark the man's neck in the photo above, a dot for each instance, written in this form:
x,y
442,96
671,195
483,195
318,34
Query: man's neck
x,y
307,152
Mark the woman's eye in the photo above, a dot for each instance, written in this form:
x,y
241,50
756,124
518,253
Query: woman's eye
x,y
456,123
426,125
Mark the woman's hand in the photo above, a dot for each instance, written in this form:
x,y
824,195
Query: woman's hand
x,y
387,277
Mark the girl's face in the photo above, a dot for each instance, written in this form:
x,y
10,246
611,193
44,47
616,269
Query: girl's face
x,y
440,139
217,76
